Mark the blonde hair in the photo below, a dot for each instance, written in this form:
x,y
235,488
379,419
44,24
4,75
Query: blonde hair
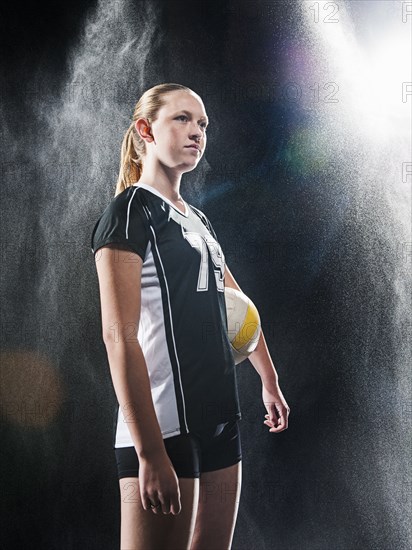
x,y
133,146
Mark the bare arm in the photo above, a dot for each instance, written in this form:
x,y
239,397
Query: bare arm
x,y
260,357
273,398
119,273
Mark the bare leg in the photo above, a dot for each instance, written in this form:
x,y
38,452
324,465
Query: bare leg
x,y
218,508
143,530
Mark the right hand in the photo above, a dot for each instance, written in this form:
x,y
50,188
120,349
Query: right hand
x,y
159,484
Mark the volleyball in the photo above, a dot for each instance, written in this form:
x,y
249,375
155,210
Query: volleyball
x,y
243,323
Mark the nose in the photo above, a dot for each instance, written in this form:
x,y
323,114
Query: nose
x,y
195,135
198,134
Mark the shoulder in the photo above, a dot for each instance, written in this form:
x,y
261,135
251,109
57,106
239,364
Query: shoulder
x,y
122,221
125,202
128,195
124,212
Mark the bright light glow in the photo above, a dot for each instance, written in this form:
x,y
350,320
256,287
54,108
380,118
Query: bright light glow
x,y
370,80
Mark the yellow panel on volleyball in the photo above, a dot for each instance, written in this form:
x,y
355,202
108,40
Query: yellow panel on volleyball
x,y
243,323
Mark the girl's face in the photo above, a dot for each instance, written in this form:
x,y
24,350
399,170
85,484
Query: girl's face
x,y
181,123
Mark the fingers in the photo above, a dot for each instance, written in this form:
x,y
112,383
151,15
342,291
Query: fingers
x,y
165,506
280,427
154,505
151,502
280,424
176,506
159,505
156,508
270,422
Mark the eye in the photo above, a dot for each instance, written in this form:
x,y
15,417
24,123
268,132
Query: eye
x,y
204,125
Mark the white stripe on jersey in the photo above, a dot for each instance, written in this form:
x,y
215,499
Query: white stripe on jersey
x,y
152,337
171,325
128,215
152,329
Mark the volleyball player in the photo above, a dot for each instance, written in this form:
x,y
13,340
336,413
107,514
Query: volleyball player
x,y
162,275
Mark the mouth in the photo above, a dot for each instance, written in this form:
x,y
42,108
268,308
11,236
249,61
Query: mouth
x,y
193,147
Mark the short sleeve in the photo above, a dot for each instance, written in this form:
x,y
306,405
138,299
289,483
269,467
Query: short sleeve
x,y
122,222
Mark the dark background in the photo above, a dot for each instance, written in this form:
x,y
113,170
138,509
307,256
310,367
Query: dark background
x,y
313,216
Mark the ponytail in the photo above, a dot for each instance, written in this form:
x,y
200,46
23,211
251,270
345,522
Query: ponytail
x,y
130,161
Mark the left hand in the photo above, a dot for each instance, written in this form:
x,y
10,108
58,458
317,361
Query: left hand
x,y
278,409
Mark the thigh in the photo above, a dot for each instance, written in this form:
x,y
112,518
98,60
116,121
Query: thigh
x,y
220,487
218,507
142,529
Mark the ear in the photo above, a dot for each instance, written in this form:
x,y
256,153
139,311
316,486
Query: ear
x,y
142,127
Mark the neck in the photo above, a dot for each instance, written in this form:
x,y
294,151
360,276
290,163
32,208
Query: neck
x,y
168,186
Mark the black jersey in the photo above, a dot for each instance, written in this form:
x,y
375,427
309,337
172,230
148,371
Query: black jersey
x,y
183,322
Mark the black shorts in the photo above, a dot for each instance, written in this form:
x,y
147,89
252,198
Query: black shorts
x,y
193,453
